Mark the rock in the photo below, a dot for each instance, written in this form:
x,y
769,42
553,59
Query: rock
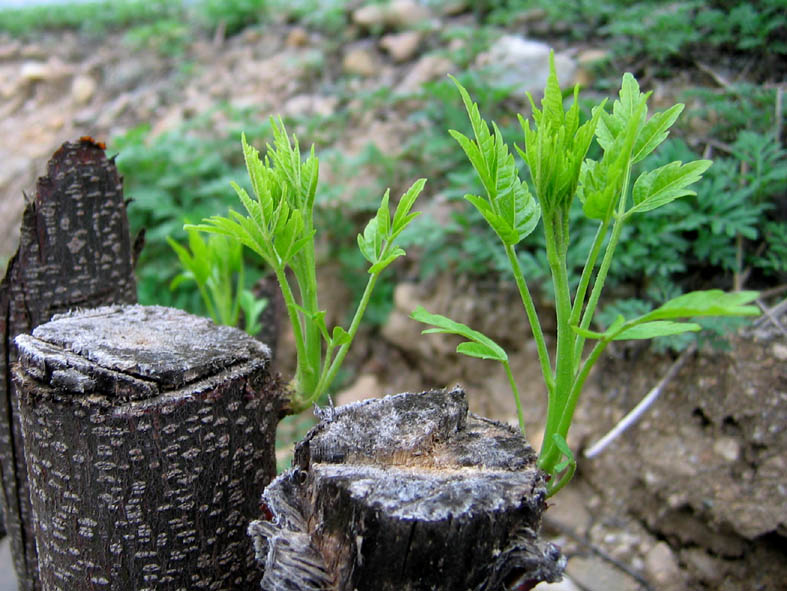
x,y
34,71
706,568
297,37
587,62
426,69
779,350
402,46
305,104
370,15
570,510
728,448
83,87
453,7
594,574
361,62
565,585
523,65
396,14
662,567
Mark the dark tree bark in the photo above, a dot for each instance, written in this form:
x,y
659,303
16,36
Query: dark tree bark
x,y
408,492
74,250
149,434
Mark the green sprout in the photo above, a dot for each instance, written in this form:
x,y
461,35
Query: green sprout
x,y
555,150
214,266
279,228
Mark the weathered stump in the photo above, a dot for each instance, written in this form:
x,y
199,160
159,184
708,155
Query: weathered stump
x,y
74,250
408,492
149,434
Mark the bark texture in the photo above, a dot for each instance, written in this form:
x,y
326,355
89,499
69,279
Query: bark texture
x,y
74,250
408,492
149,434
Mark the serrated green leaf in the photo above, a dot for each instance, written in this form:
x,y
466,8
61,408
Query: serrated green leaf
x,y
655,132
384,215
382,264
445,325
367,242
402,215
665,184
712,302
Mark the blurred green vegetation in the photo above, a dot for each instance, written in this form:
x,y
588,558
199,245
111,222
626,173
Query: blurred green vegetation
x,y
732,233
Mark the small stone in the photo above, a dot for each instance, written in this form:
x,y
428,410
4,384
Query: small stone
x,y
297,37
83,87
570,510
779,350
453,7
370,15
728,448
401,46
523,64
589,57
34,71
399,13
707,569
594,574
425,70
565,585
360,62
661,566
305,104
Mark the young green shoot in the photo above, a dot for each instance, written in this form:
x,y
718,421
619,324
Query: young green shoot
x,y
216,266
555,154
279,227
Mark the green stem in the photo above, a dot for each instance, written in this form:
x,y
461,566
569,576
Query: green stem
x,y
238,290
598,284
330,370
584,281
532,317
548,460
557,244
292,312
208,304
519,413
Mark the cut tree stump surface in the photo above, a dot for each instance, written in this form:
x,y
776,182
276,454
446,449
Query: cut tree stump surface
x,y
149,435
408,492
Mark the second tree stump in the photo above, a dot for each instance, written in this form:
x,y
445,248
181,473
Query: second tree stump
x,y
407,493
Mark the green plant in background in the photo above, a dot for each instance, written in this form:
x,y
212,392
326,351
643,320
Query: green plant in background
x,y
279,227
555,153
217,267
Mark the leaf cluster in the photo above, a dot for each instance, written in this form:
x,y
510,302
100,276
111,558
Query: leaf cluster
x,y
217,268
612,193
278,224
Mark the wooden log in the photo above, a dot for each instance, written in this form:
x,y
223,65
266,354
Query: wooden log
x,y
149,435
74,250
408,492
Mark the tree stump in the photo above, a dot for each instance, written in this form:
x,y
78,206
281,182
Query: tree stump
x,y
408,492
149,434
74,250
